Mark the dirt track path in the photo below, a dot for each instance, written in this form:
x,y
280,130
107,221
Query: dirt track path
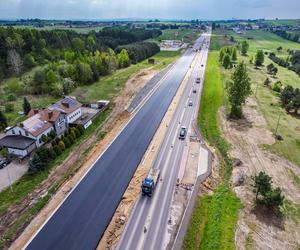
x,y
247,138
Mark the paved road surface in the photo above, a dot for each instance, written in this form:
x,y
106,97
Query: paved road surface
x,y
81,220
147,226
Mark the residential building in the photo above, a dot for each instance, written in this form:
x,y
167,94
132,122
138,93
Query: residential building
x,y
70,107
55,117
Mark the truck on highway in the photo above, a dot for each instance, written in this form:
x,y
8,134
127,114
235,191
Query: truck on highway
x,y
150,182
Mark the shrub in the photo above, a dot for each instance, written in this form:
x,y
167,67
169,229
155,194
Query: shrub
x,y
70,137
53,143
52,153
52,134
61,145
73,135
81,129
277,86
67,142
77,132
11,97
44,138
9,107
57,150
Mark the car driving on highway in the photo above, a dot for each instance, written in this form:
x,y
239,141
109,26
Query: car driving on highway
x,y
182,133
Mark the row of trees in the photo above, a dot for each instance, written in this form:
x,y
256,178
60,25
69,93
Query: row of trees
x,y
44,155
22,49
227,56
292,62
290,99
288,35
278,60
139,51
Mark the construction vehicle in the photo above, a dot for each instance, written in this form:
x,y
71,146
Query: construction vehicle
x,y
150,182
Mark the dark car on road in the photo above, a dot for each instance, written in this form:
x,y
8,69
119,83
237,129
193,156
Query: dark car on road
x,y
4,162
182,133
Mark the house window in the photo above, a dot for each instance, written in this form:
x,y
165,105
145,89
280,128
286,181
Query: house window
x,y
13,132
26,133
20,132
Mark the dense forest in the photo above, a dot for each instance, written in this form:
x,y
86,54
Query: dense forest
x,y
22,49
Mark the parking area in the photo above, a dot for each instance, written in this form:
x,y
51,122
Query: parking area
x,y
12,172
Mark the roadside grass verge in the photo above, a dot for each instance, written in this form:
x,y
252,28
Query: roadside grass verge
x,y
213,222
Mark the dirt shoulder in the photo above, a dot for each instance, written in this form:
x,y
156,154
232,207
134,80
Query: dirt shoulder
x,y
115,122
259,229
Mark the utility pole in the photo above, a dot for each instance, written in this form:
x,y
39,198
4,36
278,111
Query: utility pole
x,y
277,124
256,89
9,179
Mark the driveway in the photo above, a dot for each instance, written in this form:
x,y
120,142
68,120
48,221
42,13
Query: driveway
x,y
12,172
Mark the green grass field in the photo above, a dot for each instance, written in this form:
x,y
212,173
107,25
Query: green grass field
x,y
213,222
268,101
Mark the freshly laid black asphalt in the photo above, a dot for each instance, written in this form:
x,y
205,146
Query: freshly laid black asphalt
x,y
81,220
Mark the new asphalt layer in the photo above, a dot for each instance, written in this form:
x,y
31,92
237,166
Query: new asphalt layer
x,y
82,218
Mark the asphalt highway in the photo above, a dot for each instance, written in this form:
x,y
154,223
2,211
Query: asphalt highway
x,y
80,221
147,226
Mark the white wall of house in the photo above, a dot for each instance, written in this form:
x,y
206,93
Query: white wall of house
x,y
17,130
39,141
18,152
73,116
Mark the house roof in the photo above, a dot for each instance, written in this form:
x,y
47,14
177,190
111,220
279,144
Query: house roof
x,y
46,114
67,105
35,125
16,141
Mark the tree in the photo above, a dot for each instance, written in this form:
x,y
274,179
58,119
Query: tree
x,y
123,59
78,44
259,59
244,47
262,184
35,164
264,192
26,106
61,145
267,82
239,88
3,121
15,86
227,62
272,69
15,62
234,54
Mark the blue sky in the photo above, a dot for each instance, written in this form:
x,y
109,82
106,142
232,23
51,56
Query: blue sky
x,y
174,9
